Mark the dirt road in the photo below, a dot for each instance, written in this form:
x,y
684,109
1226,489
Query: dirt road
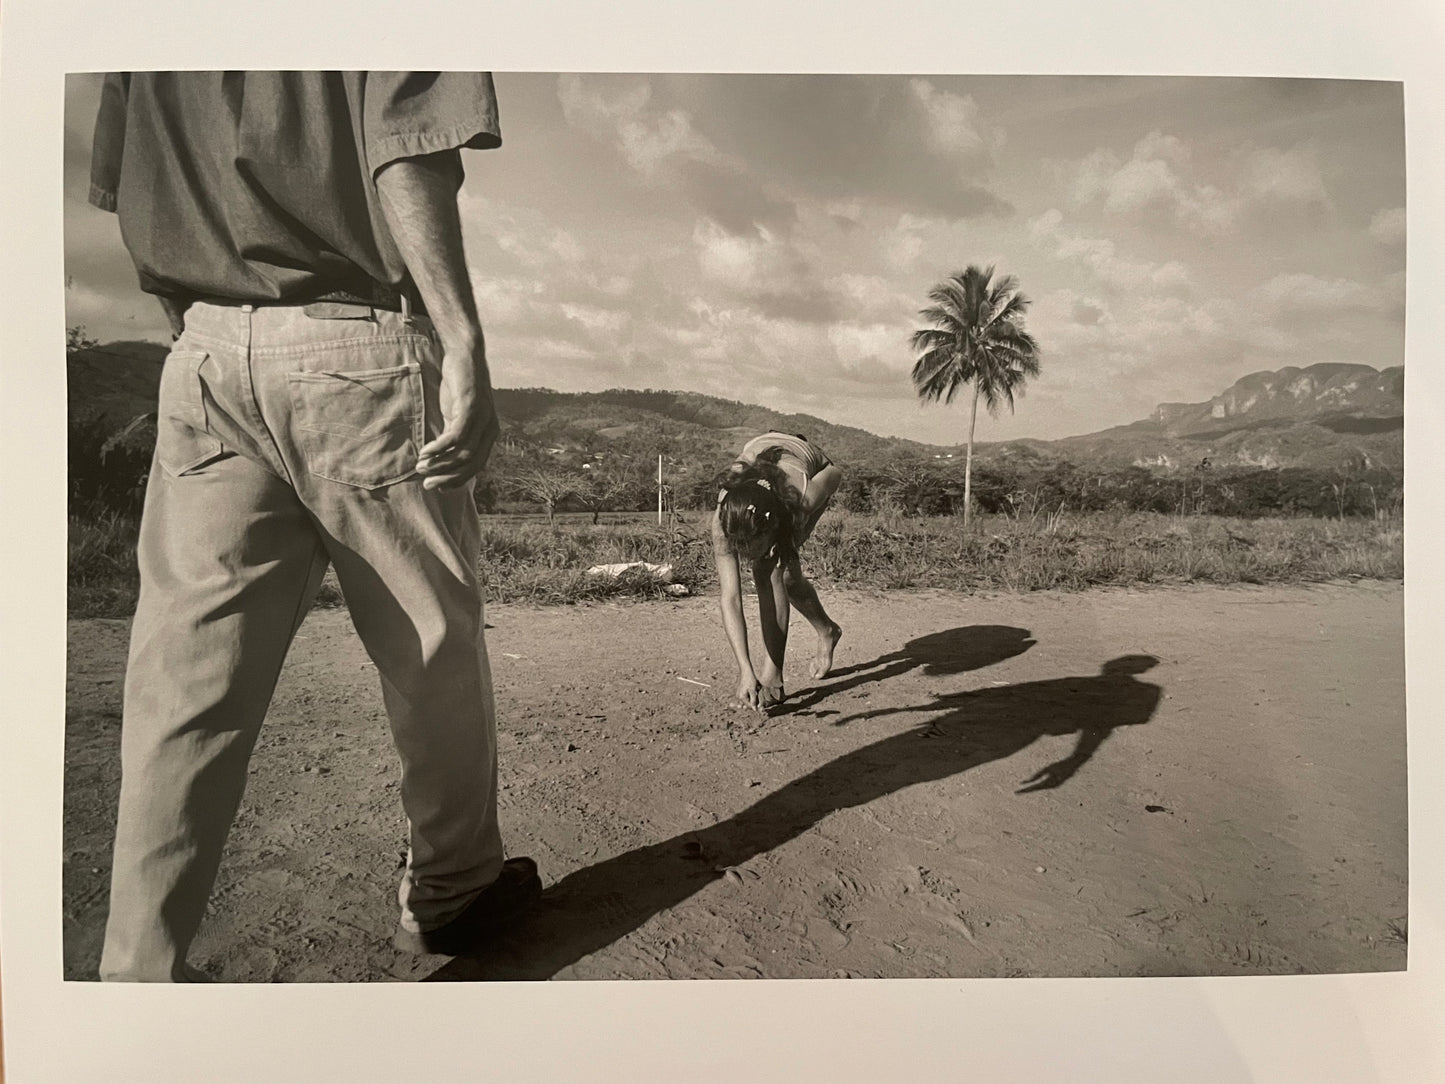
x,y
1160,782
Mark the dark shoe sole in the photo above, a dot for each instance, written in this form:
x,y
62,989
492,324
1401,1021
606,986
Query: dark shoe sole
x,y
498,906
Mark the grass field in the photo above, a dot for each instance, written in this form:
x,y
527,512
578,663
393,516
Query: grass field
x,y
524,559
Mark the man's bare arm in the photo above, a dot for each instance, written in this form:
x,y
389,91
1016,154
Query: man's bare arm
x,y
419,199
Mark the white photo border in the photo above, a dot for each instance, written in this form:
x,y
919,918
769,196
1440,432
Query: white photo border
x,y
1381,1027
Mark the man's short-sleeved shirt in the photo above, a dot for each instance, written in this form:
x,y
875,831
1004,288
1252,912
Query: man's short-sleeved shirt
x,y
260,186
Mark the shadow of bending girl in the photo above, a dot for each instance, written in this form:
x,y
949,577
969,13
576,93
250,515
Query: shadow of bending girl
x,y
595,906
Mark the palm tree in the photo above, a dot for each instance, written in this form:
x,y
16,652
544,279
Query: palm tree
x,y
975,336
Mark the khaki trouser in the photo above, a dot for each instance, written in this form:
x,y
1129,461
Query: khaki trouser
x,y
287,441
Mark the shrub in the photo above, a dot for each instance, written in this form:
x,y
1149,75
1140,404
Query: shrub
x,y
524,560
108,466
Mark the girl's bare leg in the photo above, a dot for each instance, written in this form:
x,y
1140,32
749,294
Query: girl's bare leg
x,y
805,598
773,613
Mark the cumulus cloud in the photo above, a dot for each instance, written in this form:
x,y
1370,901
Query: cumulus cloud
x,y
1152,180
1168,317
902,243
789,364
545,294
1307,294
1045,224
772,239
647,139
516,310
774,274
1167,148
872,298
845,212
952,122
1387,227
854,342
739,262
1102,257
748,263
665,147
607,323
1285,176
529,237
506,299
1162,179
919,145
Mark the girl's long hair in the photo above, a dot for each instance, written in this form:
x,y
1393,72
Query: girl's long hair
x,y
758,508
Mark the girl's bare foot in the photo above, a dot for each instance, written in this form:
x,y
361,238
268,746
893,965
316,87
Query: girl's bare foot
x,y
770,696
823,660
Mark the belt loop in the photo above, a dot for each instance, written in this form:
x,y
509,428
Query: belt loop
x,y
405,309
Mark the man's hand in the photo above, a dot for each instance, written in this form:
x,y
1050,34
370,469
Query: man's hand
x,y
469,423
419,199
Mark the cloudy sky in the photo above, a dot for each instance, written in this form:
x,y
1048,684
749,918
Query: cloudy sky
x,y
771,238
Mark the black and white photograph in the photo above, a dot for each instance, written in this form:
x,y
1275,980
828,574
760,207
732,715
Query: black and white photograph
x,y
973,505
640,523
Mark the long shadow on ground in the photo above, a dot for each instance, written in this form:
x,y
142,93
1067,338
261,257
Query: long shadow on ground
x,y
939,654
593,907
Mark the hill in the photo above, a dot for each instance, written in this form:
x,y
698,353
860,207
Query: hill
x,y
1323,416
117,380
120,380
683,425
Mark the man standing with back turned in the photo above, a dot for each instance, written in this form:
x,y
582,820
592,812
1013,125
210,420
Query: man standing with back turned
x,y
326,401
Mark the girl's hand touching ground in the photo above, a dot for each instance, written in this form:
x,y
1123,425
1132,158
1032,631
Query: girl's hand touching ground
x,y
748,694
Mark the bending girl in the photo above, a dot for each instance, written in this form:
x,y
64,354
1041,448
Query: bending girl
x,y
769,502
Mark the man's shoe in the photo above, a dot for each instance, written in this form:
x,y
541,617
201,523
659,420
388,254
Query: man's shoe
x,y
499,905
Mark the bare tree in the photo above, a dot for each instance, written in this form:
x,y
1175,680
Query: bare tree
x,y
547,486
607,481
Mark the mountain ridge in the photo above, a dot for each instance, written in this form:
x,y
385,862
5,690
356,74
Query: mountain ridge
x,y
1323,415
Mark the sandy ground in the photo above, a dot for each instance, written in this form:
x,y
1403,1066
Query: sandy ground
x,y
988,785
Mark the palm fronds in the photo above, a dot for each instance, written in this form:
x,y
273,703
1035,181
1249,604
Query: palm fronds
x,y
973,333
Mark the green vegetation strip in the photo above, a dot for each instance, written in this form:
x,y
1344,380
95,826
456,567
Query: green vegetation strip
x,y
533,562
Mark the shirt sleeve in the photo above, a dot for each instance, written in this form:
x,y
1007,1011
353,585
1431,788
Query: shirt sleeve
x,y
409,114
108,147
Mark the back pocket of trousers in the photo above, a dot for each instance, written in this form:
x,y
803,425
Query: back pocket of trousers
x,y
359,428
183,439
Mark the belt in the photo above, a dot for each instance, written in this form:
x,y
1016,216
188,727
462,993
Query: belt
x,y
407,300
355,310
385,298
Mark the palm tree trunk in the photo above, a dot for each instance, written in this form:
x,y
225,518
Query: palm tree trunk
x,y
968,460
